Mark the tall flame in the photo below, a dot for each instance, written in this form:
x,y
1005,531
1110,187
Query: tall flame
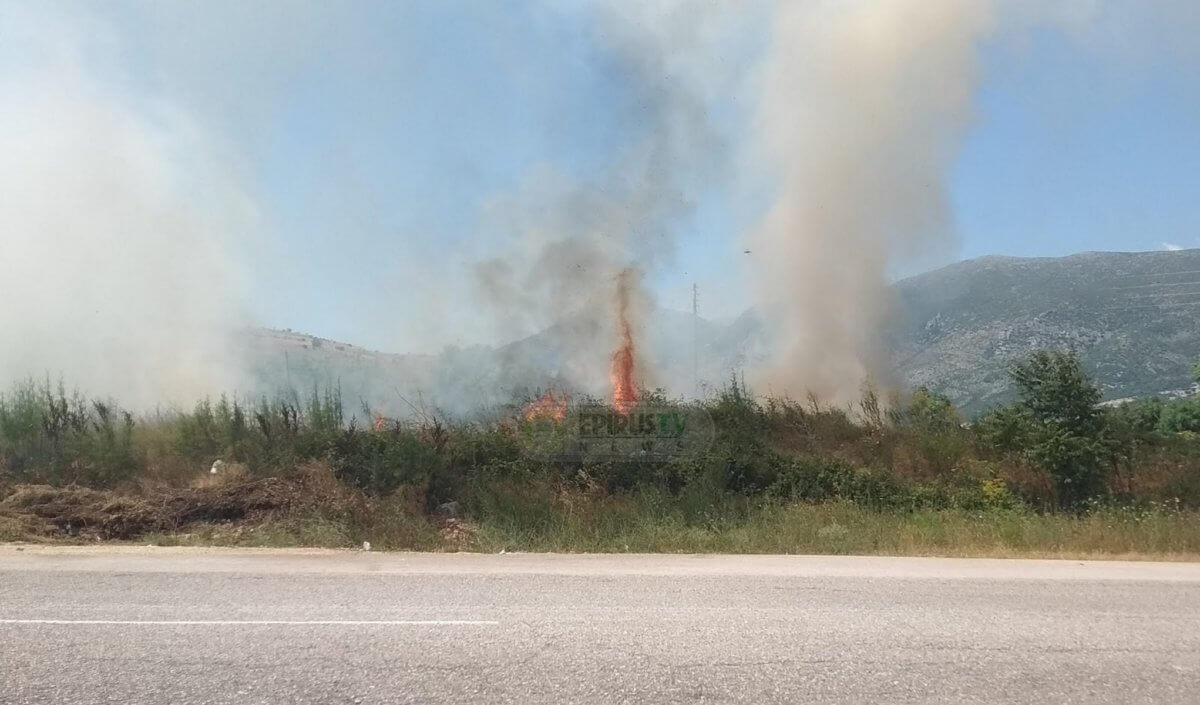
x,y
624,391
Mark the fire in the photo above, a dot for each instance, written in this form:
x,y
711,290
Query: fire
x,y
548,406
624,391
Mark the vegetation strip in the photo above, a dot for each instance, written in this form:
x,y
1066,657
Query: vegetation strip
x,y
1054,474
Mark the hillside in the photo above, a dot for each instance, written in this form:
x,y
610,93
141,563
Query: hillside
x,y
1132,316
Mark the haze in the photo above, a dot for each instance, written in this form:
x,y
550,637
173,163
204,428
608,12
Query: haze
x,y
407,176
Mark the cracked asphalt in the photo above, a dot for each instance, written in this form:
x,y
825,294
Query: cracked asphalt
x,y
156,625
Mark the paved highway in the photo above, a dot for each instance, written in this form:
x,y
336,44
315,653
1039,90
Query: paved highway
x,y
126,624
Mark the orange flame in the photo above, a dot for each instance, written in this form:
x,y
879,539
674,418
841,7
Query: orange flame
x,y
624,391
547,406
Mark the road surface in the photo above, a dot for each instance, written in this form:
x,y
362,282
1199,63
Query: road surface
x,y
84,625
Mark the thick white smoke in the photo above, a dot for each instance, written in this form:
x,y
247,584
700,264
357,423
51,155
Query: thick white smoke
x,y
124,224
121,269
860,109
850,119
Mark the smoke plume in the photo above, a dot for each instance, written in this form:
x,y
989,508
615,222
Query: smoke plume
x,y
824,130
851,118
859,110
122,229
578,247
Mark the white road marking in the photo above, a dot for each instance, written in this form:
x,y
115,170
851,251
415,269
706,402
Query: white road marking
x,y
256,622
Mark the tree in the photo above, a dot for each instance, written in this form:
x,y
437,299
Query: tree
x,y
1054,389
1196,371
927,411
1057,424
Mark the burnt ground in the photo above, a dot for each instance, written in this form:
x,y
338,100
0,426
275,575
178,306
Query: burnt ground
x,y
35,512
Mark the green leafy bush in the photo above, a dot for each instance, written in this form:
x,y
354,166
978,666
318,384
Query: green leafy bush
x,y
1180,415
1057,425
381,462
814,479
1140,416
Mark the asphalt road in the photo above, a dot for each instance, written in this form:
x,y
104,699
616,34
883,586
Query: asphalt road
x,y
180,626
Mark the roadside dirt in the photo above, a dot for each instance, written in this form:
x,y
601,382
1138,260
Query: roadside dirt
x,y
33,512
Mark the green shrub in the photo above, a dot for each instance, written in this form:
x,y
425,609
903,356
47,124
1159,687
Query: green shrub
x,y
381,462
739,419
996,495
1180,415
815,479
515,500
927,412
1140,416
48,436
1053,445
934,428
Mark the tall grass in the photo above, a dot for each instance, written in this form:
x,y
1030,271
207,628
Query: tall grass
x,y
49,435
780,475
641,524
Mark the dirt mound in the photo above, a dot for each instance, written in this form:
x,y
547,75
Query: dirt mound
x,y
48,511
456,535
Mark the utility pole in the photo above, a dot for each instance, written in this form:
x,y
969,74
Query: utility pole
x,y
695,340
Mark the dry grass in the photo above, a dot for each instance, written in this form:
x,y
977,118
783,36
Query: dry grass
x,y
43,511
578,523
310,507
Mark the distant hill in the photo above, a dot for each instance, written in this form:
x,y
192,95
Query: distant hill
x,y
1134,318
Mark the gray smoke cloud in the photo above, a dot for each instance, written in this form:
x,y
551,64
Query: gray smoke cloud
x,y
852,116
123,230
129,226
566,241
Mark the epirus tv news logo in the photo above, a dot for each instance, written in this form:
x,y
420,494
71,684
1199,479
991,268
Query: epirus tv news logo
x,y
598,433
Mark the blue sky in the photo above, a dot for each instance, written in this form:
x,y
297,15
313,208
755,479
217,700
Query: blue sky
x,y
1076,151
372,136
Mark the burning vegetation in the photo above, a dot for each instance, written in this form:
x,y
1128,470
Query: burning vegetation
x,y
549,407
552,406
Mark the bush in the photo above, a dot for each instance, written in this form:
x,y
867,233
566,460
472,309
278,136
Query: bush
x,y
381,462
927,412
213,431
1005,429
47,436
1140,416
1180,415
931,424
1053,448
1057,425
741,459
813,479
740,421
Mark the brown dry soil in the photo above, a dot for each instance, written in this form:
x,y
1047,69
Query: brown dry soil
x,y
42,512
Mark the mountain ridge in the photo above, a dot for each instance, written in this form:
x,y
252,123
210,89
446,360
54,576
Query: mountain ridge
x,y
1132,316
